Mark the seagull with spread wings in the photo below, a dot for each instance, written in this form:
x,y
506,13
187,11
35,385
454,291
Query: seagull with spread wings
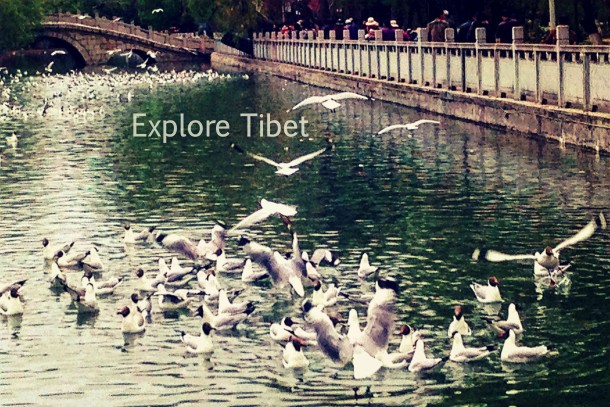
x,y
285,169
547,261
328,101
408,126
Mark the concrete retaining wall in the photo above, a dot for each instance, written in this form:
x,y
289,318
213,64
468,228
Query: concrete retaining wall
x,y
571,126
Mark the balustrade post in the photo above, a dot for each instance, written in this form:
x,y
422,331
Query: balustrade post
x,y
449,41
150,32
586,81
563,38
361,39
480,38
422,36
400,39
518,34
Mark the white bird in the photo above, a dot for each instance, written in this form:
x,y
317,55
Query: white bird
x,y
177,243
148,284
12,140
365,269
520,354
293,356
110,70
549,258
132,237
380,317
221,320
287,168
324,299
512,323
83,16
169,301
58,52
408,126
143,305
199,344
328,101
92,260
127,54
487,293
409,337
320,255
143,64
113,51
49,252
267,210
85,300
157,10
249,275
11,304
420,361
228,265
335,346
458,324
133,320
101,287
227,307
283,331
49,67
151,54
459,353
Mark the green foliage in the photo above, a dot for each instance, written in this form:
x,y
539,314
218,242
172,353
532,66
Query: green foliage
x,y
18,19
237,16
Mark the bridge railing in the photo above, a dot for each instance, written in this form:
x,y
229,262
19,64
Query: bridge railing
x,y
563,75
178,40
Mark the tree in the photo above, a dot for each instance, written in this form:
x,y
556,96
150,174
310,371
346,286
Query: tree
x,y
19,19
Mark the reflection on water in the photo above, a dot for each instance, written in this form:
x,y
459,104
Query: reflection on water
x,y
417,204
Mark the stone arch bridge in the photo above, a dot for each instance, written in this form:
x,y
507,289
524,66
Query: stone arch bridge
x,y
89,39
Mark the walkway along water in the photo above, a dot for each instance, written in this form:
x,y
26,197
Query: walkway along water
x,y
556,92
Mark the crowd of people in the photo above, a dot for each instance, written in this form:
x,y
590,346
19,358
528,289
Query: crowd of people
x,y
464,32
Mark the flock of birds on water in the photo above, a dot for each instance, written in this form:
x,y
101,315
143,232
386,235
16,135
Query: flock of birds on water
x,y
206,286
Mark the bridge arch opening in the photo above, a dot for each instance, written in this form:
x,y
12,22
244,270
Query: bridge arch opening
x,y
136,58
49,42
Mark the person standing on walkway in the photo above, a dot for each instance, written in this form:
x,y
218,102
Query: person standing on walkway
x,y
436,28
504,33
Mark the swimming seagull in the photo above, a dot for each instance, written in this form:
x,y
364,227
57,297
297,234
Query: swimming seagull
x,y
85,299
408,126
146,284
12,304
420,361
222,320
328,101
225,306
283,331
49,252
285,169
520,354
199,344
549,258
12,140
409,337
132,237
101,287
487,293
365,269
133,320
459,353
267,210
512,323
458,324
293,356
92,261
169,301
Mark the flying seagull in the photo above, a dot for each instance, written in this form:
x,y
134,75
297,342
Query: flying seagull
x,y
549,258
157,10
408,126
267,210
328,101
58,52
288,168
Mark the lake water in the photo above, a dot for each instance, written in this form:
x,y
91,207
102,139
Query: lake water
x,y
418,205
